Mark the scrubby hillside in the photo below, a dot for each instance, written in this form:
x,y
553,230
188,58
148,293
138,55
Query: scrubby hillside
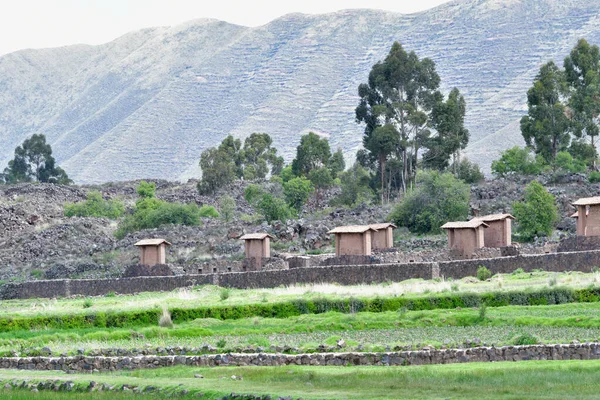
x,y
37,240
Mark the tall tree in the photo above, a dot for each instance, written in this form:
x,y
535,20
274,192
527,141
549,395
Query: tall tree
x,y
336,163
582,68
34,162
258,154
400,92
218,169
381,143
448,120
312,152
546,127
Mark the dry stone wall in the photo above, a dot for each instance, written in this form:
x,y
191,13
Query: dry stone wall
x,y
584,261
584,351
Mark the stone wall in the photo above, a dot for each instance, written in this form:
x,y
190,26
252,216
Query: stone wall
x,y
343,275
579,243
584,351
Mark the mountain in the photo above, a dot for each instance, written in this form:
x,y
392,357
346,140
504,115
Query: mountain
x,y
146,104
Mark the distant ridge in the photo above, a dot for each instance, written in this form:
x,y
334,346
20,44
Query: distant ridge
x,y
146,104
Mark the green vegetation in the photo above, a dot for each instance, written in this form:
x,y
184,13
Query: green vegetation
x,y
398,105
519,161
151,212
537,214
227,208
297,191
468,171
95,206
229,161
533,379
34,162
483,273
438,198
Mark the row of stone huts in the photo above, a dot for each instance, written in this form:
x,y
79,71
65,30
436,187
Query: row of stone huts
x,y
464,237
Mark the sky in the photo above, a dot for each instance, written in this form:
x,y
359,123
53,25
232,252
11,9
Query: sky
x,y
52,23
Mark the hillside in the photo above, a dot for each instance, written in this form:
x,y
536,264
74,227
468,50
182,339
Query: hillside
x,y
146,104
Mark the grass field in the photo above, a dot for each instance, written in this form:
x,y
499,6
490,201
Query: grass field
x,y
374,330
530,380
214,296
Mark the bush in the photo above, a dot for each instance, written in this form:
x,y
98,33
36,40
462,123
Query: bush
x,y
594,177
483,273
253,193
207,211
146,190
525,339
438,198
95,206
224,294
355,186
517,160
221,343
273,209
152,213
227,208
537,214
565,162
469,171
297,192
87,303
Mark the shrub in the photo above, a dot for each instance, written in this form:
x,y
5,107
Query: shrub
x,y
152,213
95,206
253,193
565,162
355,186
207,211
221,343
224,294
517,160
468,171
273,209
36,273
165,319
537,214
438,198
482,311
146,190
297,192
518,271
483,273
594,177
87,303
227,208
525,339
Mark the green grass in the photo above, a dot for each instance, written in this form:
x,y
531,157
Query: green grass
x,y
527,380
211,295
553,324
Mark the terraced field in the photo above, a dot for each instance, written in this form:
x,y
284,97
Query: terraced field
x,y
513,309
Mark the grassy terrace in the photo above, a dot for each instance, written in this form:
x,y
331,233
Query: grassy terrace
x,y
530,380
215,296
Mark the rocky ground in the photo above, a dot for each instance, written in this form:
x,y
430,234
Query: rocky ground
x,y
38,241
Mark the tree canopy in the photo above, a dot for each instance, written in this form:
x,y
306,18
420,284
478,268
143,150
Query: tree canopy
x,y
34,162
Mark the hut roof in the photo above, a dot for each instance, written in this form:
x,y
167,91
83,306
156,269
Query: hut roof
x,y
383,225
256,236
352,229
472,224
494,217
587,201
152,242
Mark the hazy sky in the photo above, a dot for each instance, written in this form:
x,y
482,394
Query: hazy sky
x,y
51,23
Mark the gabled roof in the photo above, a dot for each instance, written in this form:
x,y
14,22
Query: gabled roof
x,y
383,225
352,229
256,236
587,201
472,224
152,242
494,217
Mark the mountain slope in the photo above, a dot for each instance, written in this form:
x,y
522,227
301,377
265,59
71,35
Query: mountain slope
x,y
148,103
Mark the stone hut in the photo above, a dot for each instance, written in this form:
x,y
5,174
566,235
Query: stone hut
x,y
499,231
465,237
153,251
352,240
257,247
588,216
383,236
